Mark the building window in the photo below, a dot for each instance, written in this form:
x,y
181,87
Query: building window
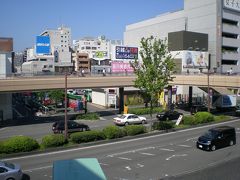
x,y
88,47
50,66
229,49
229,35
229,62
230,22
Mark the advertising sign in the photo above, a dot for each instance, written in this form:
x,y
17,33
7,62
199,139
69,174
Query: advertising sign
x,y
232,4
100,55
123,52
194,59
43,45
120,66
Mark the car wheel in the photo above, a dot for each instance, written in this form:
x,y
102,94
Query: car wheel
x,y
143,122
213,148
126,123
231,143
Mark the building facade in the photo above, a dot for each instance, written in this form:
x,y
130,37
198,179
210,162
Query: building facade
x,y
219,19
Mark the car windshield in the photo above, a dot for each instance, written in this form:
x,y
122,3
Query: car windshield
x,y
9,165
211,134
122,116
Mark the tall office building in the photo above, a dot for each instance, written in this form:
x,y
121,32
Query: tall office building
x,y
219,19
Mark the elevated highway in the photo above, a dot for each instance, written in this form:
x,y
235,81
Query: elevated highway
x,y
15,84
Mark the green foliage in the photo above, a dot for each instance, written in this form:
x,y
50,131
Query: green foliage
x,y
163,125
189,120
134,130
140,111
18,144
112,132
221,118
53,140
88,116
155,70
203,117
86,136
134,100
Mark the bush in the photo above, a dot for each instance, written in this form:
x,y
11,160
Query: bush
x,y
112,132
134,130
87,136
189,120
88,116
18,144
141,111
163,125
203,117
53,140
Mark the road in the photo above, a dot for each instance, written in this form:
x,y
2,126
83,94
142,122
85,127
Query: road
x,y
151,157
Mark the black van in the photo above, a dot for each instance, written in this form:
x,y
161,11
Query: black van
x,y
217,137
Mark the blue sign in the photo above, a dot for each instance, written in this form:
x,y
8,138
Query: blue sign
x,y
43,45
123,52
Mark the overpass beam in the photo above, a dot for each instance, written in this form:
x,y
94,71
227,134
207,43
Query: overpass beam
x,y
121,100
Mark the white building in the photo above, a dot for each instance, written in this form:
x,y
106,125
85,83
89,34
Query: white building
x,y
217,18
60,43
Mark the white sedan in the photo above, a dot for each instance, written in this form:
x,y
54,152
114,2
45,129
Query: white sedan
x,y
127,119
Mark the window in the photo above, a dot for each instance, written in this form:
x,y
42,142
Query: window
x,y
3,170
229,35
229,62
88,47
229,22
229,49
50,66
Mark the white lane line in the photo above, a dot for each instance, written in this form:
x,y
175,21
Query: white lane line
x,y
148,154
123,158
118,142
190,139
128,168
103,164
35,169
140,165
177,155
165,149
183,145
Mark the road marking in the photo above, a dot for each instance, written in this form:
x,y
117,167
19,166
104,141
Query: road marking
x,y
191,138
3,129
164,149
140,165
118,142
103,164
128,168
183,145
177,155
128,159
148,154
35,169
102,119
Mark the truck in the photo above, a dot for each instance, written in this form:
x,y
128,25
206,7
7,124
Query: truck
x,y
224,101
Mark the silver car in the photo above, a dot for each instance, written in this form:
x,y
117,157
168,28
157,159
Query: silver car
x,y
9,171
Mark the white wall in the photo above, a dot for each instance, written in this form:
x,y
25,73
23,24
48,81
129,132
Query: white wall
x,y
99,98
5,64
6,105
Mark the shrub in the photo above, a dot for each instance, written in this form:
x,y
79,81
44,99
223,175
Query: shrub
x,y
112,132
87,136
163,125
189,120
18,144
221,118
203,117
141,111
134,130
88,116
53,140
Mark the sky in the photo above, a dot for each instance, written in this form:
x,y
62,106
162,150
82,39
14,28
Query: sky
x,y
23,20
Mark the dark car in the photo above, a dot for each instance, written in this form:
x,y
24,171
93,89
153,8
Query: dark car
x,y
216,138
59,127
168,115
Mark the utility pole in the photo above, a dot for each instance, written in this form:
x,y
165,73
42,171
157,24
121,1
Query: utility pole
x,y
66,125
208,74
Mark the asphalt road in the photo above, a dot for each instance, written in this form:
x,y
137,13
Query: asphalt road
x,y
152,157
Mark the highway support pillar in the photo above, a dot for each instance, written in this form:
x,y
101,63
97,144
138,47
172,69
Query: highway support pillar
x,y
121,100
190,92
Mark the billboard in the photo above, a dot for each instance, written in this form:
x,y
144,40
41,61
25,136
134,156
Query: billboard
x,y
100,55
43,45
124,52
120,66
194,59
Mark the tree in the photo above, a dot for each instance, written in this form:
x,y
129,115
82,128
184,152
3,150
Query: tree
x,y
155,70
57,96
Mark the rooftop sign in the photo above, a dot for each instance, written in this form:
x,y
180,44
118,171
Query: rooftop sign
x,y
232,4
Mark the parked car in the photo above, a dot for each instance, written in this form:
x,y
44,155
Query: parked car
x,y
59,127
168,115
127,119
216,138
10,171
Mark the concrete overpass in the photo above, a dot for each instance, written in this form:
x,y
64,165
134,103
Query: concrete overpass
x,y
16,84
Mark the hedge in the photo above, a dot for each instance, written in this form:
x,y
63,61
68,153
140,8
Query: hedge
x,y
112,132
86,136
189,120
53,140
134,130
163,125
18,144
141,111
203,117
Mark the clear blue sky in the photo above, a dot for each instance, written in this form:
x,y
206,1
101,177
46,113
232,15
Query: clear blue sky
x,y
25,19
